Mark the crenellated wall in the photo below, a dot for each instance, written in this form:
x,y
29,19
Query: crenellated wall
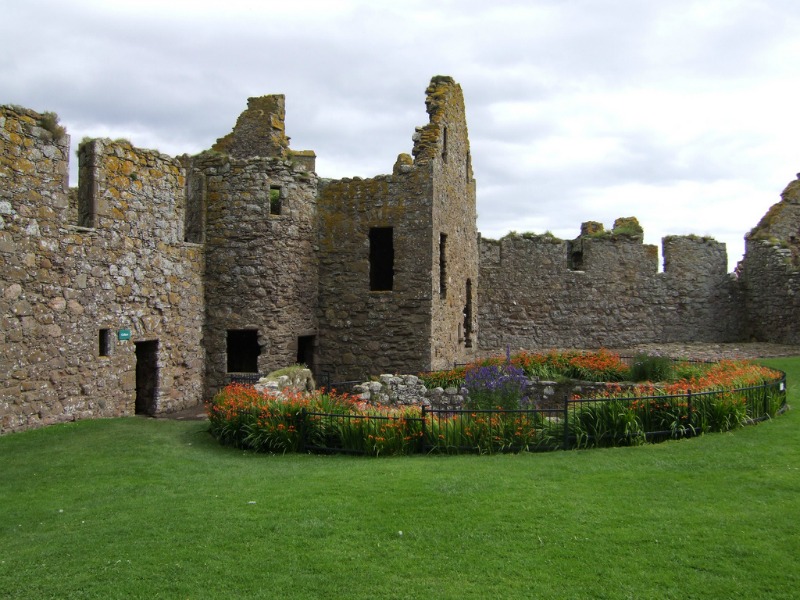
x,y
532,295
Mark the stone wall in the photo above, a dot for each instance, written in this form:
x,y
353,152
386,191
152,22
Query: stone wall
x,y
363,330
532,296
68,290
408,390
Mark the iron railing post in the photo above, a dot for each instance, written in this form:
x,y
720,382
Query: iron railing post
x,y
689,408
302,429
424,428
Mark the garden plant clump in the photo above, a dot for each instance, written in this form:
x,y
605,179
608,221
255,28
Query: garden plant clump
x,y
243,417
693,398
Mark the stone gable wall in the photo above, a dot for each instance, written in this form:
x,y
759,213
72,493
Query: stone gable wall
x,y
454,318
414,326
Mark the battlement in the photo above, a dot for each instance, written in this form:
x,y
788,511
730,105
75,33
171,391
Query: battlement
x,y
619,252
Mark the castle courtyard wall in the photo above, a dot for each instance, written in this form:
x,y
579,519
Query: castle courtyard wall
x,y
532,296
65,287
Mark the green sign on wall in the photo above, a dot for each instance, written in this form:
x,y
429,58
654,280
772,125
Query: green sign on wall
x,y
124,334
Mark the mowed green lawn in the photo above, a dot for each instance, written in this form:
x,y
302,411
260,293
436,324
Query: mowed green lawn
x,y
142,508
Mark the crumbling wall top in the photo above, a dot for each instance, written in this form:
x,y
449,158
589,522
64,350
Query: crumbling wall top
x,y
779,225
444,95
259,130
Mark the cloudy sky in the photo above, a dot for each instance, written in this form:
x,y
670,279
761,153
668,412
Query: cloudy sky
x,y
683,113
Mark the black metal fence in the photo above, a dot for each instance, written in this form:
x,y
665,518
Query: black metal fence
x,y
578,423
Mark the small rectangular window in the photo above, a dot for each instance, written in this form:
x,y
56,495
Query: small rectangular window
x,y
104,343
381,259
243,350
274,200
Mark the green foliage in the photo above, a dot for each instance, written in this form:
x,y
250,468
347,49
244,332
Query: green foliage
x,y
275,201
587,366
49,122
651,367
289,371
491,432
687,370
242,417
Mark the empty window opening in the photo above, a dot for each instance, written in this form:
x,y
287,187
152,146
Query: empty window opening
x,y
443,265
305,351
381,259
468,316
87,185
243,350
574,256
468,165
194,222
146,377
444,144
104,343
275,200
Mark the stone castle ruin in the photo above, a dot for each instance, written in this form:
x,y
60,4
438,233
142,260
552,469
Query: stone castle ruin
x,y
144,288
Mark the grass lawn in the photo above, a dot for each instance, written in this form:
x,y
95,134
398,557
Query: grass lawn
x,y
142,508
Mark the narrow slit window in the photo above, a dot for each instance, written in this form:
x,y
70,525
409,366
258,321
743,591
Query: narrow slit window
x,y
243,351
443,265
275,193
104,342
87,186
194,221
468,316
381,259
444,144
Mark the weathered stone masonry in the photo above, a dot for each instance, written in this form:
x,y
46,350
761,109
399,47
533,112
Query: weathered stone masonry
x,y
145,287
415,320
67,290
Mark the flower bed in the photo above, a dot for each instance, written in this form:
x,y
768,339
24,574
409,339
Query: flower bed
x,y
706,398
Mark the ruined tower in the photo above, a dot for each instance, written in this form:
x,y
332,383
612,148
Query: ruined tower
x,y
255,205
399,255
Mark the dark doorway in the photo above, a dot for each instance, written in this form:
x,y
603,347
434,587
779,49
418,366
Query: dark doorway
x,y
305,351
146,377
243,351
